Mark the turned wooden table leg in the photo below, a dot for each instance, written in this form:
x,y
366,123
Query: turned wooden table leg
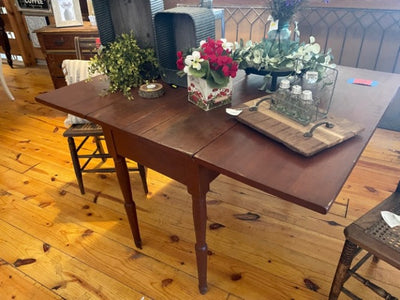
x,y
130,206
198,186
199,217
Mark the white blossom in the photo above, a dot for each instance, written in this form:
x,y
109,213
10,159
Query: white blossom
x,y
227,46
194,60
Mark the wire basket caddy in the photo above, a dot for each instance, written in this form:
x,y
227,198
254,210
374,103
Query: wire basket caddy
x,y
310,96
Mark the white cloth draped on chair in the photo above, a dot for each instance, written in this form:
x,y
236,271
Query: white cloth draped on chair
x,y
75,70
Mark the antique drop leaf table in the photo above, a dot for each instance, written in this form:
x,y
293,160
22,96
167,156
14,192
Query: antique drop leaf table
x,y
176,138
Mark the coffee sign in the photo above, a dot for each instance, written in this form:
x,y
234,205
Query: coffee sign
x,y
34,6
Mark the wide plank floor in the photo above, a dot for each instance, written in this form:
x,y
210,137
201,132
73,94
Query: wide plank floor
x,y
58,244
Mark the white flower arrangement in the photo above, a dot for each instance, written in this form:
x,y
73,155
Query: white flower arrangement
x,y
286,55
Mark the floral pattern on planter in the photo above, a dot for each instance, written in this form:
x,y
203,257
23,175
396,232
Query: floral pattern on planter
x,y
206,97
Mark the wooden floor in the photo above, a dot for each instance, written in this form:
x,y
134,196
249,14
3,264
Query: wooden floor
x,y
80,246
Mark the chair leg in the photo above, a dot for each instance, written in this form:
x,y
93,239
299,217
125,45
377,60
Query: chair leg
x,y
342,274
76,164
142,171
100,148
375,259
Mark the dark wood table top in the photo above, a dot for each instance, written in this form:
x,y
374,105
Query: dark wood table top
x,y
177,127
311,182
218,142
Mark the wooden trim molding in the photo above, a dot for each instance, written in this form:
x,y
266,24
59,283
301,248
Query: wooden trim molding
x,y
21,36
370,4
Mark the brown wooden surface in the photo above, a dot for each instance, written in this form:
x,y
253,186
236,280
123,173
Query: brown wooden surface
x,y
312,182
86,28
290,133
92,254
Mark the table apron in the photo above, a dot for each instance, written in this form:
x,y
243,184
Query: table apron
x,y
162,159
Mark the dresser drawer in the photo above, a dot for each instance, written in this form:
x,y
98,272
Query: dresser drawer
x,y
58,42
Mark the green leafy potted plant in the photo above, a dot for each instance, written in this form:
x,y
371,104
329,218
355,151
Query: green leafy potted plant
x,y
126,64
284,58
269,56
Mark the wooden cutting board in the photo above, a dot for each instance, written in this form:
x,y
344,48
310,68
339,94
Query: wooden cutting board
x,y
291,133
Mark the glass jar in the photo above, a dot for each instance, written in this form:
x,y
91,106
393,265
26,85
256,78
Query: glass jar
x,y
206,3
295,95
295,98
310,81
282,95
308,108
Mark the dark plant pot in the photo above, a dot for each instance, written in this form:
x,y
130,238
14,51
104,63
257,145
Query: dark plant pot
x,y
274,74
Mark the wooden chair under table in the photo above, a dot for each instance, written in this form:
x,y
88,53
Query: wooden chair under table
x,y
85,132
373,235
76,70
86,47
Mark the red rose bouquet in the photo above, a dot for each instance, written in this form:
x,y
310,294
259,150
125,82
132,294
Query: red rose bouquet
x,y
212,61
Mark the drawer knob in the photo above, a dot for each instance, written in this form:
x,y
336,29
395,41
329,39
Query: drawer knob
x,y
59,42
